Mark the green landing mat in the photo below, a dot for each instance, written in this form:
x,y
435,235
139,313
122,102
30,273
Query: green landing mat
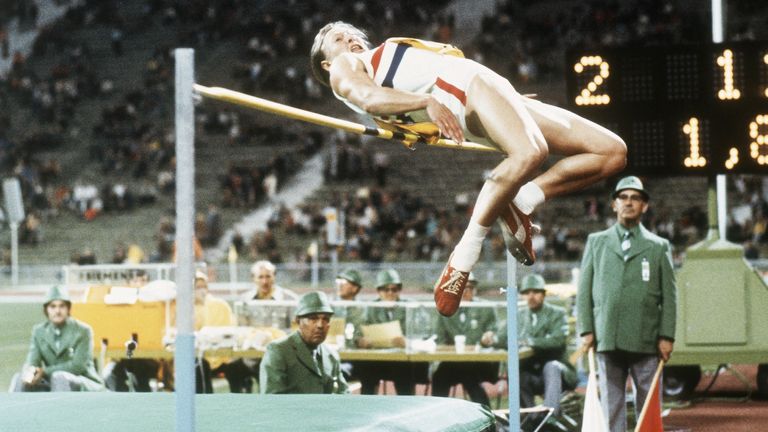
x,y
117,412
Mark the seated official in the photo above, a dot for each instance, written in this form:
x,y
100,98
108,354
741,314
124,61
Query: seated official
x,y
348,285
300,362
543,328
405,375
210,311
242,372
60,354
472,323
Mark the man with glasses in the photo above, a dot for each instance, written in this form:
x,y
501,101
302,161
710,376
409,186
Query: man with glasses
x,y
626,302
403,374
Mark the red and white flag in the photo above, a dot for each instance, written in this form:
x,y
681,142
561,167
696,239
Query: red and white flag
x,y
593,419
650,417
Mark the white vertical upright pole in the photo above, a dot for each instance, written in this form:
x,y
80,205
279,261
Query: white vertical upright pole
x,y
513,366
184,356
717,21
718,18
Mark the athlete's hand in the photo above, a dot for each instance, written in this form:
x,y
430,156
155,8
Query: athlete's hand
x,y
445,120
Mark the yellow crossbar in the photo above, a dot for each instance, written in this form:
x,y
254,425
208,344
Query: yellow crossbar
x,y
248,101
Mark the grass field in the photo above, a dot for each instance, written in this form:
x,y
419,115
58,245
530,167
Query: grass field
x,y
16,321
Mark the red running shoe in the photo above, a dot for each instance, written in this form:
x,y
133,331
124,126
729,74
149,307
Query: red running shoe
x,y
517,229
449,289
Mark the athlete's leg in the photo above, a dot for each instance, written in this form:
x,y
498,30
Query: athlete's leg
x,y
592,151
496,111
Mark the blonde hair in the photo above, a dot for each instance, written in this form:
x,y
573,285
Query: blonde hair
x,y
263,264
317,56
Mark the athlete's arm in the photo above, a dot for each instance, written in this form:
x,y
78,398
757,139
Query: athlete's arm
x,y
350,81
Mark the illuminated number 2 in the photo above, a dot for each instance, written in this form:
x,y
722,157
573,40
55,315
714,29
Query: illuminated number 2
x,y
759,139
725,61
692,130
587,95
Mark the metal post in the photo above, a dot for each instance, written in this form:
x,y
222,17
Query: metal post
x,y
232,260
513,366
718,18
315,263
14,253
334,260
184,356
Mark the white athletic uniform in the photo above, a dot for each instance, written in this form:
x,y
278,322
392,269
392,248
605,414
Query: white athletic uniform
x,y
421,71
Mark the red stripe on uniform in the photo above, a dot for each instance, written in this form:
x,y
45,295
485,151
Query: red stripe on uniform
x,y
450,88
377,58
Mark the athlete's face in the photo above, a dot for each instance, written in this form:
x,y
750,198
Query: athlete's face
x,y
340,40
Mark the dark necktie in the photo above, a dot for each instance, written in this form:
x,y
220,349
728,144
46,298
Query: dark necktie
x,y
626,244
318,361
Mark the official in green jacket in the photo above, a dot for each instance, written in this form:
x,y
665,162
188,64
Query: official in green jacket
x,y
626,301
60,354
300,362
348,286
405,375
472,323
544,328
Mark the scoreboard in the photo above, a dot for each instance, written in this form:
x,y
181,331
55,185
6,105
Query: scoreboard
x,y
682,109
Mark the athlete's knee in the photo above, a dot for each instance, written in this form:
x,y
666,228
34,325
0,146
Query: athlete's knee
x,y
616,158
535,154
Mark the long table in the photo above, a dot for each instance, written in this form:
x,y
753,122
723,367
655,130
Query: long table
x,y
442,354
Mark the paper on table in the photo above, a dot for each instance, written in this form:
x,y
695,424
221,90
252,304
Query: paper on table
x,y
336,328
381,335
121,295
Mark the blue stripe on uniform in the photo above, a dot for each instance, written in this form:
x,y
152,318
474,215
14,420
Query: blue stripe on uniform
x,y
396,59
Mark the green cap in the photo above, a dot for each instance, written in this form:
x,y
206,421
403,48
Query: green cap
x,y
313,302
387,277
57,292
352,276
532,282
630,182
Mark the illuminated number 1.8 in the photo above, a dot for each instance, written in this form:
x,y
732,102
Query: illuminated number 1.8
x,y
694,158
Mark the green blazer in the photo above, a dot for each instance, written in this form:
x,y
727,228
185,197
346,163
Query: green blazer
x,y
469,321
288,367
627,305
379,315
71,351
546,332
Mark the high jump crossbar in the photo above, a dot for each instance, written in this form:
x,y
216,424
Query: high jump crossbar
x,y
248,101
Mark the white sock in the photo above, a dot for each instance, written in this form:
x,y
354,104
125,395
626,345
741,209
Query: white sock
x,y
528,197
467,251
